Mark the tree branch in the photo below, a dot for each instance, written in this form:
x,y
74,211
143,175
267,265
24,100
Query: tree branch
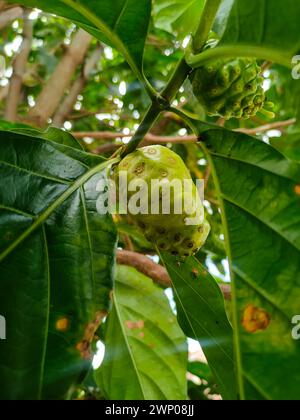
x,y
151,139
67,105
9,15
19,68
50,97
279,125
3,92
154,271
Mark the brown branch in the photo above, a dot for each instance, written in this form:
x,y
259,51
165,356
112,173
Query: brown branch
x,y
145,265
6,6
70,100
279,125
155,139
149,138
154,271
19,68
107,148
3,92
50,97
7,16
84,114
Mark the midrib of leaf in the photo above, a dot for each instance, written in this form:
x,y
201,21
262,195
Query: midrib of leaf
x,y
89,239
58,202
128,346
236,324
48,315
99,24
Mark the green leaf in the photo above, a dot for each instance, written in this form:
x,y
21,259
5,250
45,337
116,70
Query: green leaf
x,y
10,126
56,135
56,261
202,316
181,16
113,23
146,352
264,29
260,207
200,369
269,25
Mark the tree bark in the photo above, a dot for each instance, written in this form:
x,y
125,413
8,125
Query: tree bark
x,y
50,97
67,105
9,15
4,92
3,5
19,67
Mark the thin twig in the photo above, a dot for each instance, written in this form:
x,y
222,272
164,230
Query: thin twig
x,y
154,139
107,148
149,138
273,126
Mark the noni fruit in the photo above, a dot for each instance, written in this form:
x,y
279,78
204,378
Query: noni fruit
x,y
231,88
170,211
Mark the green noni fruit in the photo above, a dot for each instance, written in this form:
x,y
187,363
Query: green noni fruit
x,y
230,88
162,169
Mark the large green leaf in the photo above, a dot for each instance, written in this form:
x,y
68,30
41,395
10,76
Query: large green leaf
x,y
259,191
202,316
122,23
56,261
271,25
146,352
181,16
266,29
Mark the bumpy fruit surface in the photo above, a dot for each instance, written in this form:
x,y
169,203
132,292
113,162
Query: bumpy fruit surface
x,y
230,88
166,229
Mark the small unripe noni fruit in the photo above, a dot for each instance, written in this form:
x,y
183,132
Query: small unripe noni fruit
x,y
168,209
231,88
